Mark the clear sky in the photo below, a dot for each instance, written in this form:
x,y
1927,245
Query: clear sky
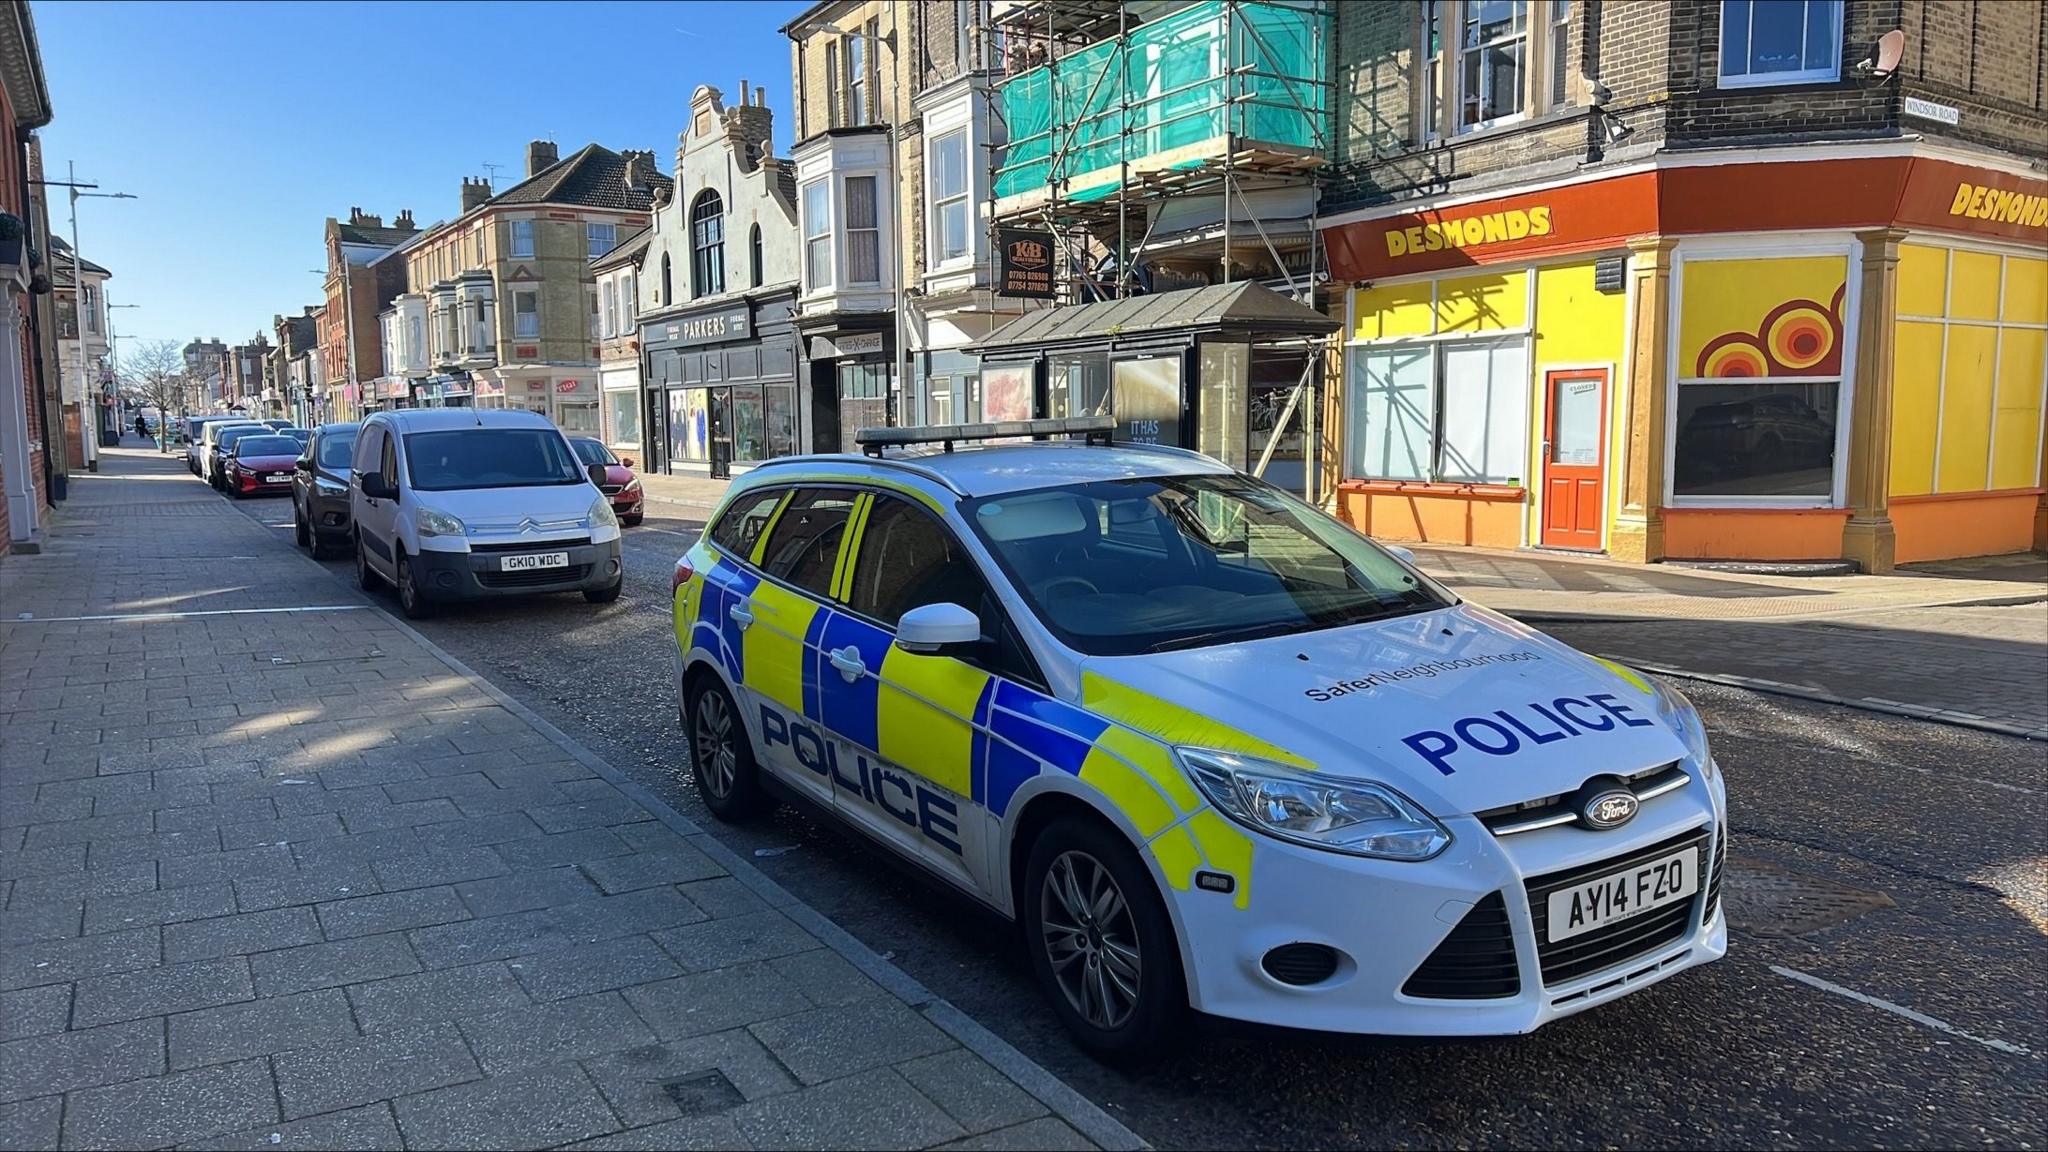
x,y
242,126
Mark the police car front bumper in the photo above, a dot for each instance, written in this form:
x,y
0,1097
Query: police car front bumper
x,y
1386,921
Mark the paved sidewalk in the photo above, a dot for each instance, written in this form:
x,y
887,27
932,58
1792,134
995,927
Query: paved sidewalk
x,y
1964,642
283,878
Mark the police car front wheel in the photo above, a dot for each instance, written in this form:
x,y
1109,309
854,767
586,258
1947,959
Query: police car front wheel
x,y
1101,941
722,756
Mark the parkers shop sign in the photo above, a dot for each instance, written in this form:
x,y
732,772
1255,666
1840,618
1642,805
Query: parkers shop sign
x,y
730,323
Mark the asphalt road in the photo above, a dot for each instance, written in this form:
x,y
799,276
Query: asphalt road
x,y
1880,867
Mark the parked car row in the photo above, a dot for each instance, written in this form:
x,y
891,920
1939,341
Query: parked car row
x,y
441,504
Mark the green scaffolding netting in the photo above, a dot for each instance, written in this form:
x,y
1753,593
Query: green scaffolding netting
x,y
1165,86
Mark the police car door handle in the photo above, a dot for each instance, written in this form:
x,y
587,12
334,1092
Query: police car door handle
x,y
741,614
849,663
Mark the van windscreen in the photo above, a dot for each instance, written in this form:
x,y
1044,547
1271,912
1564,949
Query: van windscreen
x,y
490,458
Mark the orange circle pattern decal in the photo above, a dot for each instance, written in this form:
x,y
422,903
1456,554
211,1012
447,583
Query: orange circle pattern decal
x,y
1796,338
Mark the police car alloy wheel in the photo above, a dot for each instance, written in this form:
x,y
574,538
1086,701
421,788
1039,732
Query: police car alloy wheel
x,y
722,757
1100,940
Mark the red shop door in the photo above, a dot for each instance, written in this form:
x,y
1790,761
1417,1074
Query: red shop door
x,y
1574,458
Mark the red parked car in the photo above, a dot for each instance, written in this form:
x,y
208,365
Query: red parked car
x,y
262,465
620,486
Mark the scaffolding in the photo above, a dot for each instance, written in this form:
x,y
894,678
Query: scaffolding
x,y
1139,131
1107,116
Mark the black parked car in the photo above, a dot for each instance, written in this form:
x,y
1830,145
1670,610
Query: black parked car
x,y
320,519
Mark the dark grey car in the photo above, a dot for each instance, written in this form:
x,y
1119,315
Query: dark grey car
x,y
320,518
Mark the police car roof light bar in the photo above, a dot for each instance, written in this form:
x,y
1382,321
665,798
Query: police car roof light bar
x,y
1093,430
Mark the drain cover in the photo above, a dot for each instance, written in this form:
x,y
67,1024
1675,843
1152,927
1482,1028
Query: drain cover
x,y
703,1093
1767,900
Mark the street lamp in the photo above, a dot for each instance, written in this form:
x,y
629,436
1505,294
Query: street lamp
x,y
88,417
114,353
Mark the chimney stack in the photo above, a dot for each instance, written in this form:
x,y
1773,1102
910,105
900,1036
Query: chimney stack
x,y
362,219
639,169
474,192
403,222
540,154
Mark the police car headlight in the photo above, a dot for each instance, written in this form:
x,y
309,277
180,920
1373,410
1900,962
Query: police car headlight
x,y
1684,719
1355,817
435,523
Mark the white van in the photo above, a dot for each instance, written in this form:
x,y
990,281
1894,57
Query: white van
x,y
465,503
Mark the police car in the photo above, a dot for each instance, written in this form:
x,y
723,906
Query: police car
x,y
1210,747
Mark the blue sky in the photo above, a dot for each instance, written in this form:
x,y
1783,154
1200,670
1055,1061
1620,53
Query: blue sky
x,y
242,126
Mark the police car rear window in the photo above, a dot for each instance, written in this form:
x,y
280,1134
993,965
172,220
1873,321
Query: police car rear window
x,y
803,548
737,530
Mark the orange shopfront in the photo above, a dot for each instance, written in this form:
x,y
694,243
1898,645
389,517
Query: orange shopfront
x,y
1813,358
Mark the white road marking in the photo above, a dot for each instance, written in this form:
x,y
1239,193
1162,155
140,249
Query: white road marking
x,y
1992,1043
26,618
667,532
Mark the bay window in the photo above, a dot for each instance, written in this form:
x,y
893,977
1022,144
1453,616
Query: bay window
x,y
1453,412
949,195
522,239
817,236
863,232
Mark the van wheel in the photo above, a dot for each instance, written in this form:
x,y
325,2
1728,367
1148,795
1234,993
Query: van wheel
x,y
366,576
722,755
1101,941
412,599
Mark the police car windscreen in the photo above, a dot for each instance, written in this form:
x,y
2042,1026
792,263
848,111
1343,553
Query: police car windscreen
x,y
490,458
1128,566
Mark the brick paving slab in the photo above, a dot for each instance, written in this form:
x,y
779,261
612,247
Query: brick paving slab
x,y
364,900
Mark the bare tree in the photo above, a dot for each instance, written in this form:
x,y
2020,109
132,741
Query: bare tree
x,y
155,371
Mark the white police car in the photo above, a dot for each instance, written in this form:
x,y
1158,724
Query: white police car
x,y
1209,746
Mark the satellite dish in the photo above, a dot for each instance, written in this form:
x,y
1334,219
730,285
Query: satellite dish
x,y
1884,56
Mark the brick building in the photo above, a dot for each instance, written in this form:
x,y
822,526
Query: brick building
x,y
1707,278
27,435
359,284
505,289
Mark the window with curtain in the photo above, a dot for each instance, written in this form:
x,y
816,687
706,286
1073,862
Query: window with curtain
x,y
856,80
1433,66
1780,42
522,238
596,317
707,245
1560,43
629,304
526,313
949,195
863,232
611,310
817,236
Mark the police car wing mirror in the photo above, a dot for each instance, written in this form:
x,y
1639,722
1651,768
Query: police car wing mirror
x,y
1401,554
931,628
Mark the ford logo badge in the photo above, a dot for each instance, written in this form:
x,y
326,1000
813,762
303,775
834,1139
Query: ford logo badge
x,y
1608,808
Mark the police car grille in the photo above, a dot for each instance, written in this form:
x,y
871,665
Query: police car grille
x,y
1475,962
1713,900
533,577
1603,948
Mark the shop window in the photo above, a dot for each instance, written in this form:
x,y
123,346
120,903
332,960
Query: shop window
x,y
817,236
689,426
707,245
1757,407
579,419
1455,412
622,419
1780,42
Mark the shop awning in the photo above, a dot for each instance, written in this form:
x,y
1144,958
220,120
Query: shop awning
x,y
1243,308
